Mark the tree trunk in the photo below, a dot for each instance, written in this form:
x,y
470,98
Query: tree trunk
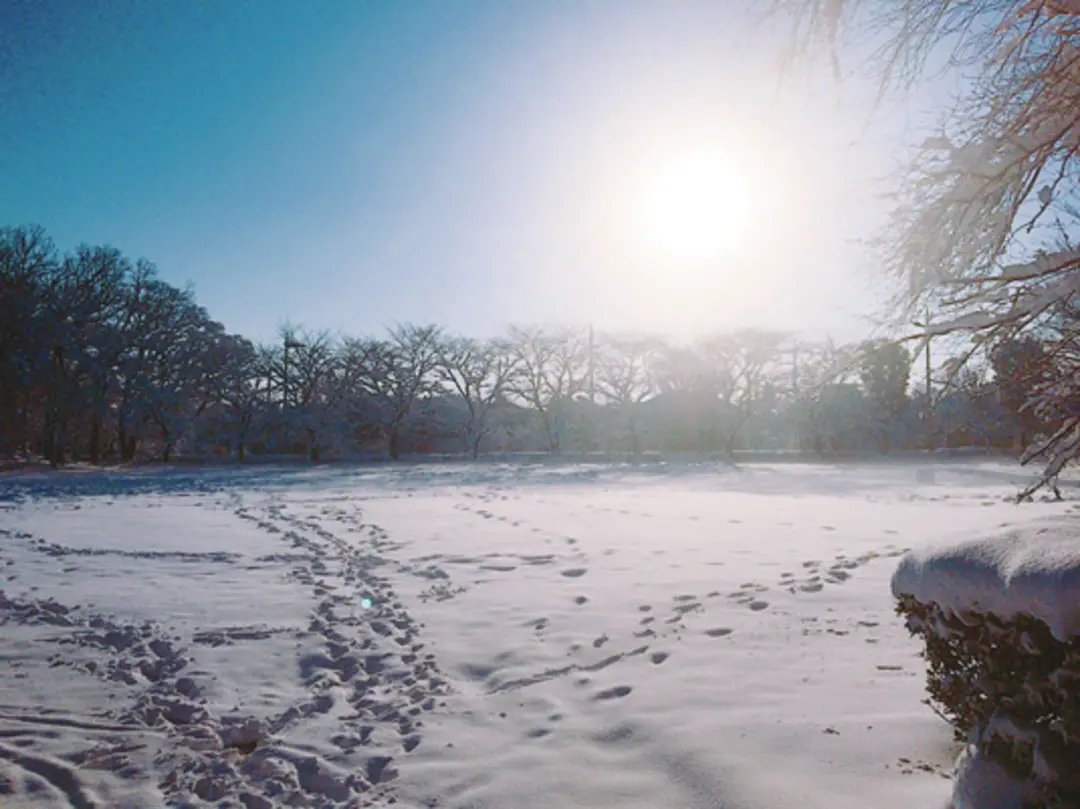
x,y
50,444
127,445
245,425
635,439
95,439
395,432
56,444
128,441
476,444
1021,438
552,430
167,452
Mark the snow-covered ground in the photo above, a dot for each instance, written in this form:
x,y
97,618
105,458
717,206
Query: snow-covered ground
x,y
476,635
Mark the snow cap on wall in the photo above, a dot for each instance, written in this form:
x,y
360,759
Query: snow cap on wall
x,y
1033,570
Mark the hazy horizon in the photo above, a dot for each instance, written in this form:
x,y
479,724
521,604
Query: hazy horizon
x,y
348,165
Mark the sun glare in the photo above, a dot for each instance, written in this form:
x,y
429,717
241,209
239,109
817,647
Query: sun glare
x,y
694,207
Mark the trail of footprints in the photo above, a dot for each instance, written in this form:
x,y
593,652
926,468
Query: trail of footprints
x,y
372,675
815,576
373,660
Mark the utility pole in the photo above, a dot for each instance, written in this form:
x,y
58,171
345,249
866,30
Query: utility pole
x,y
592,366
795,368
929,414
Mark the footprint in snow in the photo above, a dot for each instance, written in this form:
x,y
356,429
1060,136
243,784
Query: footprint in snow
x,y
659,657
758,606
574,572
718,632
618,692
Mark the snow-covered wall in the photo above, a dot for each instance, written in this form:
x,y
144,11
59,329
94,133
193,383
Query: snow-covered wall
x,y
1033,570
1000,617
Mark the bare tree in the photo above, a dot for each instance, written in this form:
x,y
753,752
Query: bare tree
x,y
84,299
238,384
358,398
676,368
985,217
821,383
551,370
740,367
624,377
27,263
395,372
479,372
181,368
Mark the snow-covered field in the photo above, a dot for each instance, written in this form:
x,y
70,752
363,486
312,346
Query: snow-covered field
x,y
476,635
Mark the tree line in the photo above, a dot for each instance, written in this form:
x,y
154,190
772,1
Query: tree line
x,y
101,360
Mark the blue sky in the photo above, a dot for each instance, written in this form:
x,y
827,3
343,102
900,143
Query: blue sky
x,y
347,164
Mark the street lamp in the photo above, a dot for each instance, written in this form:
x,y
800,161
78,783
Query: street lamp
x,y
289,343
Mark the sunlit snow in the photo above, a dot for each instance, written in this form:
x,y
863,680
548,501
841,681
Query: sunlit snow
x,y
477,635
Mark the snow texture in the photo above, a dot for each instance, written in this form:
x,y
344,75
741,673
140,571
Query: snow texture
x,y
983,784
1029,569
646,636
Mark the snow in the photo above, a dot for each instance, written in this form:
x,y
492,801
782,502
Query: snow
x,y
1031,569
471,635
970,320
984,784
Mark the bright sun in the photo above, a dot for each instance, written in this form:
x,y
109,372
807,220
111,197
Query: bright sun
x,y
694,207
